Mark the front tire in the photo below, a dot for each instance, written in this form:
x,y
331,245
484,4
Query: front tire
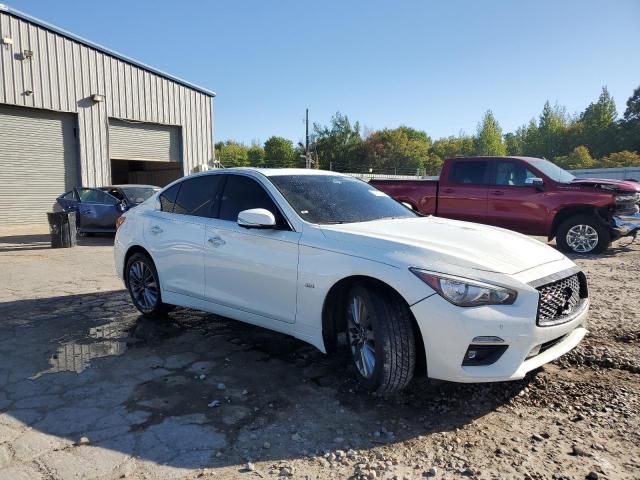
x,y
381,338
143,283
583,234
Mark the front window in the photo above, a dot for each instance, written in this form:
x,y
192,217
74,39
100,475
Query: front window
x,y
328,199
512,174
552,171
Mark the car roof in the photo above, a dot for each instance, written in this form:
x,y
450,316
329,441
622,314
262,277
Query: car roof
x,y
272,172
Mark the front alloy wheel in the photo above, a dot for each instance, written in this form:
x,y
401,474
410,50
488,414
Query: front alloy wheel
x,y
361,337
380,330
582,238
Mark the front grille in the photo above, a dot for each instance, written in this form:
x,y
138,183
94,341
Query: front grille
x,y
559,300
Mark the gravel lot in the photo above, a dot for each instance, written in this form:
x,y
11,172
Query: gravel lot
x,y
89,389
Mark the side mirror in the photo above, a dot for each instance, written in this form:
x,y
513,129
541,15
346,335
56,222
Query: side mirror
x,y
534,182
256,218
122,207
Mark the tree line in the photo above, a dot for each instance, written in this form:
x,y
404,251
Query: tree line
x,y
596,137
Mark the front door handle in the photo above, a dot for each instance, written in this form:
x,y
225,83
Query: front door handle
x,y
156,230
447,190
216,241
86,212
498,192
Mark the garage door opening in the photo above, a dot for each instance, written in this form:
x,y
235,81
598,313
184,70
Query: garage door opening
x,y
144,173
144,153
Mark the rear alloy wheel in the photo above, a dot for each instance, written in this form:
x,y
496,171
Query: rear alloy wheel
x,y
381,338
144,285
583,234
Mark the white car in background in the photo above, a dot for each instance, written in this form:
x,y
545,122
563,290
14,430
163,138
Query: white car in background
x,y
315,254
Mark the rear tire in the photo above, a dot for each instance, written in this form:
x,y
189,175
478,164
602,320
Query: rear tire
x,y
143,283
583,234
381,338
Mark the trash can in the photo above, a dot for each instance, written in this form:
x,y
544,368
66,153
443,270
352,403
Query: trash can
x,y
62,226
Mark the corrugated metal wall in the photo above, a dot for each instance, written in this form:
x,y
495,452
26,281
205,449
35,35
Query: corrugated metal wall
x,y
63,74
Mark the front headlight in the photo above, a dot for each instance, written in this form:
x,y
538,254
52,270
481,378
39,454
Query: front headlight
x,y
464,292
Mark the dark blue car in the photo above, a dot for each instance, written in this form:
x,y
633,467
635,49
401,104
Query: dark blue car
x,y
97,209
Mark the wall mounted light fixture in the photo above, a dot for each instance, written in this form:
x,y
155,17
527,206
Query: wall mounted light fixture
x,y
7,41
27,54
96,97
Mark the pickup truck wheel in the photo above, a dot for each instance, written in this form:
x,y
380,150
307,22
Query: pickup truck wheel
x,y
583,234
143,284
381,338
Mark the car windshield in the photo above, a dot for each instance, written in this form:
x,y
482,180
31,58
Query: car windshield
x,y
552,171
330,199
137,195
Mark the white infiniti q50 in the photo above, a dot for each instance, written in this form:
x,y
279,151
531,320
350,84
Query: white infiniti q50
x,y
315,254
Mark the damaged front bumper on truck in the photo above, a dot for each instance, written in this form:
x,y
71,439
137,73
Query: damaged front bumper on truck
x,y
625,226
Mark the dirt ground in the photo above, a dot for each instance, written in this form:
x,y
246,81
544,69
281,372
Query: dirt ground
x,y
89,389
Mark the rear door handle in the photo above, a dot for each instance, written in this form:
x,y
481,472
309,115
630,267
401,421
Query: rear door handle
x,y
447,190
156,230
216,241
498,192
86,212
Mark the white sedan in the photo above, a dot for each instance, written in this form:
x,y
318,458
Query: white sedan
x,y
331,260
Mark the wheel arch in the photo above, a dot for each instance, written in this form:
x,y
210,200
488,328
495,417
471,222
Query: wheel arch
x,y
567,212
334,319
132,250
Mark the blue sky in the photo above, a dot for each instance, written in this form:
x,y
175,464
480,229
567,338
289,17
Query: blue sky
x,y
436,66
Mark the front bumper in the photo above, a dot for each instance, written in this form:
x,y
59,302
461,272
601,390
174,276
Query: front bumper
x,y
448,331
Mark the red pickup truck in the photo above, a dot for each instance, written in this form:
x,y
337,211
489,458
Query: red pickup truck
x,y
528,195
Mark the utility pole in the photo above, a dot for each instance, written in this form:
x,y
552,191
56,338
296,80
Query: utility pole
x,y
306,142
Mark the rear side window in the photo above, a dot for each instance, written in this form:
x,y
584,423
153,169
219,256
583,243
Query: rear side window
x,y
243,193
470,172
198,196
92,195
168,198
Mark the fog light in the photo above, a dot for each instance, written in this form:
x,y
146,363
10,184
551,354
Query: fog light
x,y
482,355
534,351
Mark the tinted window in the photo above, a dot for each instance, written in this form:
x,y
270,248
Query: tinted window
x,y
471,172
90,195
512,173
168,198
137,195
242,193
197,196
327,199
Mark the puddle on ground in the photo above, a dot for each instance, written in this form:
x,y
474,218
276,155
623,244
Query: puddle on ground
x,y
111,339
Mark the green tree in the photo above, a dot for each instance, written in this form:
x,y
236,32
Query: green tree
x,y
402,150
598,124
278,152
552,127
339,145
630,125
624,158
232,154
255,153
578,158
488,140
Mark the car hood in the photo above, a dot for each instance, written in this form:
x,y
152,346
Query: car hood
x,y
612,184
435,243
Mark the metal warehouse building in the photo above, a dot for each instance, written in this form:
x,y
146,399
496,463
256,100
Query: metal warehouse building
x,y
73,113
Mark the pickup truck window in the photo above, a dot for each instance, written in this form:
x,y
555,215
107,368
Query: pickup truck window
x,y
512,174
472,172
552,171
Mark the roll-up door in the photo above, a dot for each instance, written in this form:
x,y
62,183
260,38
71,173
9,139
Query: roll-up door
x,y
144,141
38,162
